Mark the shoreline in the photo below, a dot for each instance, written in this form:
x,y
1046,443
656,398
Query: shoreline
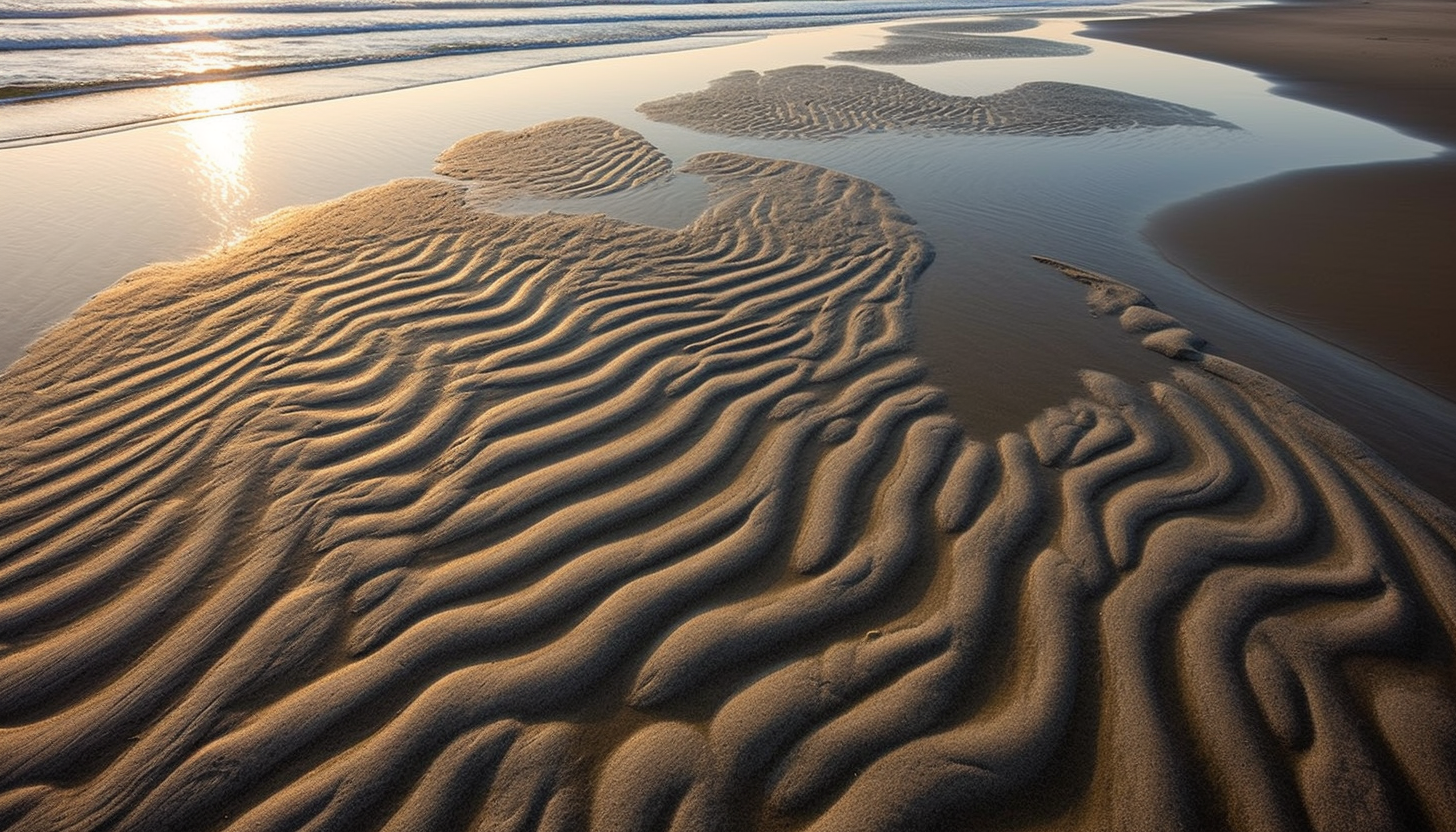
x,y
1313,241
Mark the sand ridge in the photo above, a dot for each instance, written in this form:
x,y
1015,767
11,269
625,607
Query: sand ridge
x,y
939,41
827,102
401,514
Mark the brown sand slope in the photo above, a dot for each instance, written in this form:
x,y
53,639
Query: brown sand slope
x,y
1360,255
825,102
1390,60
937,41
405,515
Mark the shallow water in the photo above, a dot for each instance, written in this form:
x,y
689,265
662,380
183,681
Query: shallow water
x,y
93,48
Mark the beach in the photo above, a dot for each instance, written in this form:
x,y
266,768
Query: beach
x,y
798,431
1358,254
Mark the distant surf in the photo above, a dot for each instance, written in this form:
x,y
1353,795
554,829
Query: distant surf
x,y
76,47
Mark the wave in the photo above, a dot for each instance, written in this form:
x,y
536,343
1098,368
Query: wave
x,y
87,58
754,8
722,21
116,78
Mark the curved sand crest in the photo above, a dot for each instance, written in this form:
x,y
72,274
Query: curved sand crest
x,y
573,157
827,102
930,43
403,515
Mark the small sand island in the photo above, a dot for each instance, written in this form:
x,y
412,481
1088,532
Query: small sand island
x,y
960,40
828,102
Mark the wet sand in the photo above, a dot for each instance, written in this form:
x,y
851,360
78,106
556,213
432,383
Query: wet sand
x,y
1358,255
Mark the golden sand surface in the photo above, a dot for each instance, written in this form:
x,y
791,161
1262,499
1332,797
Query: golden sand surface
x,y
546,160
405,514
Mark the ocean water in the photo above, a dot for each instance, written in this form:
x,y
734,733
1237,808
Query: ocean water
x,y
52,49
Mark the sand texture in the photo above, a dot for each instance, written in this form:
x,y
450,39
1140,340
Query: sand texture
x,y
405,515
547,160
935,42
825,102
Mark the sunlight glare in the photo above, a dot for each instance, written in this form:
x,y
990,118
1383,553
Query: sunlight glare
x,y
219,141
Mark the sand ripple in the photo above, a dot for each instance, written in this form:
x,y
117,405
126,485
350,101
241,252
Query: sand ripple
x,y
573,157
826,102
403,515
935,42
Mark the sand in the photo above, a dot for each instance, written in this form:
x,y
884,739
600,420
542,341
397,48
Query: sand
x,y
545,161
406,514
924,43
1360,256
816,102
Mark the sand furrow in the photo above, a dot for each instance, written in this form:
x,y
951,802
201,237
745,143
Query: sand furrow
x,y
830,756
736,633
831,499
433,588
145,534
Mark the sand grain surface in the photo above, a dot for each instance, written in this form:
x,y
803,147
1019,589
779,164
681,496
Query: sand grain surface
x,y
808,102
547,160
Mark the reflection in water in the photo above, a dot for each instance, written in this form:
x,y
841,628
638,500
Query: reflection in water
x,y
206,55
219,142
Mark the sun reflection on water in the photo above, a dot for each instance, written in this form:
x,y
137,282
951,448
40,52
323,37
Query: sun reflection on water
x,y
219,141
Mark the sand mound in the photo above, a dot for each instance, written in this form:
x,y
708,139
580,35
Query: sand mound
x,y
404,515
826,102
574,157
930,43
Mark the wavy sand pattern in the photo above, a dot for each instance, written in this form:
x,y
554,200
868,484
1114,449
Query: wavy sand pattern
x,y
938,41
404,515
826,102
575,157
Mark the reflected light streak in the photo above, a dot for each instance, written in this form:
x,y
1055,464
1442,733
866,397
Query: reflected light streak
x,y
220,142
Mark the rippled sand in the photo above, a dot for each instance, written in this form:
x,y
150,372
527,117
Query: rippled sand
x,y
825,102
937,41
547,160
405,514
